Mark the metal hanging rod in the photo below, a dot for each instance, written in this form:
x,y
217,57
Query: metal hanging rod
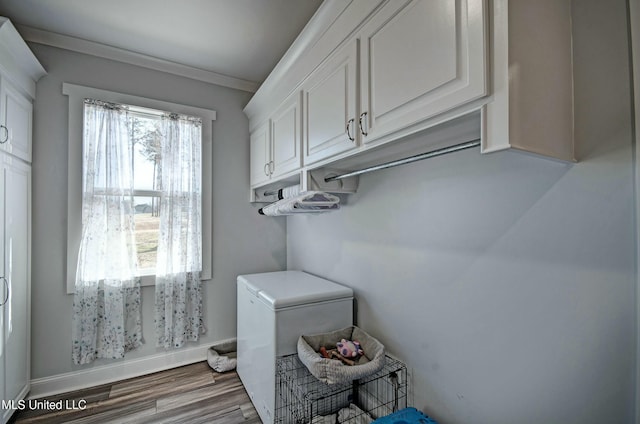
x,y
410,159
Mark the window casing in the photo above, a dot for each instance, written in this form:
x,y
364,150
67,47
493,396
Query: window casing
x,y
77,94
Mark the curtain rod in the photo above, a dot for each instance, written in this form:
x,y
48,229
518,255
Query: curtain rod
x,y
410,159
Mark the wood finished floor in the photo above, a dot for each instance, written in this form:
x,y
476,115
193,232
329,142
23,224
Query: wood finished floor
x,y
191,394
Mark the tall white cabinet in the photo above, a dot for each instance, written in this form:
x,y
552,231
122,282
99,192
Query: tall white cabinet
x,y
19,71
15,189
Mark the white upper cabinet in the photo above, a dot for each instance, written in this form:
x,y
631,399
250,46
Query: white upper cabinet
x,y
330,114
275,145
285,137
413,60
419,59
260,152
16,116
370,73
19,71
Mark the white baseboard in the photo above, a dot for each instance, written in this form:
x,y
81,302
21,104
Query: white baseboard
x,y
105,374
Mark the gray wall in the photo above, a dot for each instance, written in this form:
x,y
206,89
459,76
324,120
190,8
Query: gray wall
x,y
243,242
505,281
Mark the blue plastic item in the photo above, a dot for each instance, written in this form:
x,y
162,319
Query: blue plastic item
x,y
405,416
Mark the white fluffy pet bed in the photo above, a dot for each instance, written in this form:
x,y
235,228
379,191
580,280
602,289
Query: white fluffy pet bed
x,y
333,371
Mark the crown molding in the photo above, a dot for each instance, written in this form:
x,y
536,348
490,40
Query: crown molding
x,y
17,63
79,45
286,72
333,25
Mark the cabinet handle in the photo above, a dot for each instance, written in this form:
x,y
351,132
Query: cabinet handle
x,y
6,292
6,134
264,169
362,115
349,122
272,167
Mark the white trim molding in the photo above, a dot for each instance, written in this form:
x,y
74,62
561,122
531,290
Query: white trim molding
x,y
17,62
329,28
122,370
79,45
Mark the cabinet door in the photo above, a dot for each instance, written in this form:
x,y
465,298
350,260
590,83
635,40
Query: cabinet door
x,y
285,136
17,310
418,59
16,117
260,154
330,106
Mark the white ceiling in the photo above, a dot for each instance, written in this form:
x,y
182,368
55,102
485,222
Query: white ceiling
x,y
237,38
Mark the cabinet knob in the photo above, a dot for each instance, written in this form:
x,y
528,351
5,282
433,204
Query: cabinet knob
x,y
6,134
272,167
6,291
264,169
349,122
362,115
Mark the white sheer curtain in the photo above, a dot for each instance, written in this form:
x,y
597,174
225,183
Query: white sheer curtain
x,y
106,305
178,294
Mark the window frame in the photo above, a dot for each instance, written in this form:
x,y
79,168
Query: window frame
x,y
77,94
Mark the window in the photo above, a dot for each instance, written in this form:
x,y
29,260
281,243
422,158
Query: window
x,y
146,136
144,127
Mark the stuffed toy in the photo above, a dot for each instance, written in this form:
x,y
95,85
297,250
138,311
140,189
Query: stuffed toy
x,y
349,348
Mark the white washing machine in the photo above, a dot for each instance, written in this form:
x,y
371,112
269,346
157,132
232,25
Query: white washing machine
x,y
274,310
